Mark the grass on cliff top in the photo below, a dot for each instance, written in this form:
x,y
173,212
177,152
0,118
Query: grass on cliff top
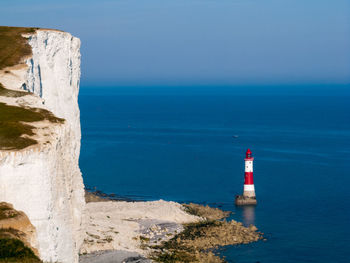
x,y
12,126
13,46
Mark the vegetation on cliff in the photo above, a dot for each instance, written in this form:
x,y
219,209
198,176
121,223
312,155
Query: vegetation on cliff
x,y
13,46
14,250
14,235
14,127
11,93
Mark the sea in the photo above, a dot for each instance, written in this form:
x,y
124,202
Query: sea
x,y
188,144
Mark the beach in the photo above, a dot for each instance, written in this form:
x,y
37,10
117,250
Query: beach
x,y
120,231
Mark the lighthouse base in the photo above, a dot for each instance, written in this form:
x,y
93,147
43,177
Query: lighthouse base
x,y
245,200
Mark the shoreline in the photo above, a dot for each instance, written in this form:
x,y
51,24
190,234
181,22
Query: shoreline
x,y
96,195
113,256
157,231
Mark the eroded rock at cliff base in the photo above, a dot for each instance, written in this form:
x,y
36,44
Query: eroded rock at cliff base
x,y
16,225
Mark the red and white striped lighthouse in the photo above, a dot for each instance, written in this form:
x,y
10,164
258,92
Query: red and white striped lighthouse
x,y
248,190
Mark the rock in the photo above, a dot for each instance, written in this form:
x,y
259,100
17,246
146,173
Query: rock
x,y
15,224
253,228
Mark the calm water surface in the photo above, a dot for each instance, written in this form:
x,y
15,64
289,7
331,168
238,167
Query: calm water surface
x,y
178,145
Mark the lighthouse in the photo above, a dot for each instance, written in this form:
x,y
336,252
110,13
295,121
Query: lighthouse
x,y
248,197
248,188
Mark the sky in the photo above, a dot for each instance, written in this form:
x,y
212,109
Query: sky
x,y
199,42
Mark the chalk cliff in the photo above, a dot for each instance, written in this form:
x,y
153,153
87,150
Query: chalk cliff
x,y
44,180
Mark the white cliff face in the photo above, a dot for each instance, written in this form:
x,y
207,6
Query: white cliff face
x,y
54,73
44,180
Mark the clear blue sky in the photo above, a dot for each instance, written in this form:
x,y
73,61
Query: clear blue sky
x,y
200,42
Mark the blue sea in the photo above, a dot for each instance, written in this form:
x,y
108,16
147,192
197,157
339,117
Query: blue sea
x,y
188,145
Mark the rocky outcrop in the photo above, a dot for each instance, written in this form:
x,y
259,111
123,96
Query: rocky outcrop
x,y
245,200
44,180
15,224
198,240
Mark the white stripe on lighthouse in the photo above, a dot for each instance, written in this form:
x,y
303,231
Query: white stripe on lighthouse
x,y
248,187
248,166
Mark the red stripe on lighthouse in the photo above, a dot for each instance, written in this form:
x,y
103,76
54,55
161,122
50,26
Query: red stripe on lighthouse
x,y
248,178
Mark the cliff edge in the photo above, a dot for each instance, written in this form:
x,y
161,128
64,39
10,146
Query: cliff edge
x,y
40,136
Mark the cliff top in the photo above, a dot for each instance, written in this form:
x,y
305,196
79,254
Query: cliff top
x,y
15,131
